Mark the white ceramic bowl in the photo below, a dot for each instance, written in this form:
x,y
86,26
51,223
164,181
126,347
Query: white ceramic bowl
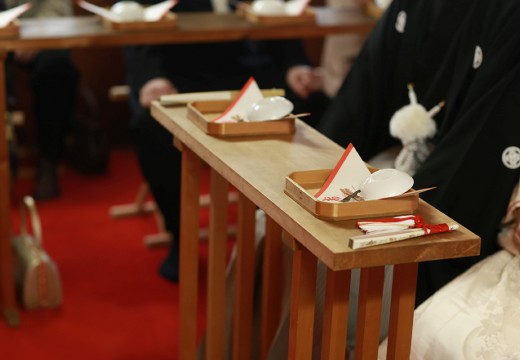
x,y
385,183
128,11
268,7
270,108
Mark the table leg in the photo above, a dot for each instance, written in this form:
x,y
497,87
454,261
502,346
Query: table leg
x,y
369,312
217,242
189,257
303,299
401,311
272,285
244,283
335,315
6,257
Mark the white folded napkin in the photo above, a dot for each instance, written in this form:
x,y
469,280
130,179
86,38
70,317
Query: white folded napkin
x,y
7,16
249,94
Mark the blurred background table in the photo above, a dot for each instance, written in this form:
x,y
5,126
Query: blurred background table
x,y
88,32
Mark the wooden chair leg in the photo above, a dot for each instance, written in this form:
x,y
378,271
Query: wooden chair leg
x,y
142,207
139,207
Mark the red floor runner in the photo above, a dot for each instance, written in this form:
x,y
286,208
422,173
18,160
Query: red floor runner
x,y
115,305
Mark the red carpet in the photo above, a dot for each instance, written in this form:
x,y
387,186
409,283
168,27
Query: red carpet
x,y
115,305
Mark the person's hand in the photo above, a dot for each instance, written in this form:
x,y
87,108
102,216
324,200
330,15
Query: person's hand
x,y
304,80
25,56
154,89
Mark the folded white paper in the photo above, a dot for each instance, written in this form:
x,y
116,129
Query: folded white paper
x,y
348,174
237,111
7,16
296,7
157,11
98,10
151,13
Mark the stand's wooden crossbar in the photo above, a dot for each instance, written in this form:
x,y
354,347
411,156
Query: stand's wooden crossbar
x,y
87,31
257,167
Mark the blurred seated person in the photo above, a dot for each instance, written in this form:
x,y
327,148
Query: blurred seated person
x,y
476,315
166,69
465,53
339,51
53,80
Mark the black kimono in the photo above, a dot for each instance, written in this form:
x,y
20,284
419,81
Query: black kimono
x,y
468,54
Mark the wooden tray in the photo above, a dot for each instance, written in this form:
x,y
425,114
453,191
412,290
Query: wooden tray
x,y
307,18
372,10
302,185
203,112
11,30
169,21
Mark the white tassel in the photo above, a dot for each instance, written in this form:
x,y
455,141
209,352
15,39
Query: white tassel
x,y
413,125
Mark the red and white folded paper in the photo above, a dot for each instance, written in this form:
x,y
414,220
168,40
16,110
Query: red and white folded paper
x,y
391,223
389,235
349,173
249,94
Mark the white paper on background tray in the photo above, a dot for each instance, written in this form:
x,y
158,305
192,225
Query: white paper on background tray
x,y
296,7
248,95
349,173
157,11
151,13
98,10
185,98
7,16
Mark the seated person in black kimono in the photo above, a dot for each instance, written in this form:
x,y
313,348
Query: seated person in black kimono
x,y
157,70
463,52
53,81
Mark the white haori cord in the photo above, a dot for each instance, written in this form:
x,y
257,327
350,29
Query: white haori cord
x,y
413,125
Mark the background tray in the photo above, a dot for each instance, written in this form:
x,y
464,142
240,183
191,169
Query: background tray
x,y
202,114
11,30
308,17
302,185
169,21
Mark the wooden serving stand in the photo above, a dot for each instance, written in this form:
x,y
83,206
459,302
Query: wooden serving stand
x,y
256,167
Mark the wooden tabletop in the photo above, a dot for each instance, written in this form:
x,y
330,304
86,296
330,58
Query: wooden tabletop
x,y
88,31
257,167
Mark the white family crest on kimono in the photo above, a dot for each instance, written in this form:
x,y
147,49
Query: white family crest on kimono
x,y
400,23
